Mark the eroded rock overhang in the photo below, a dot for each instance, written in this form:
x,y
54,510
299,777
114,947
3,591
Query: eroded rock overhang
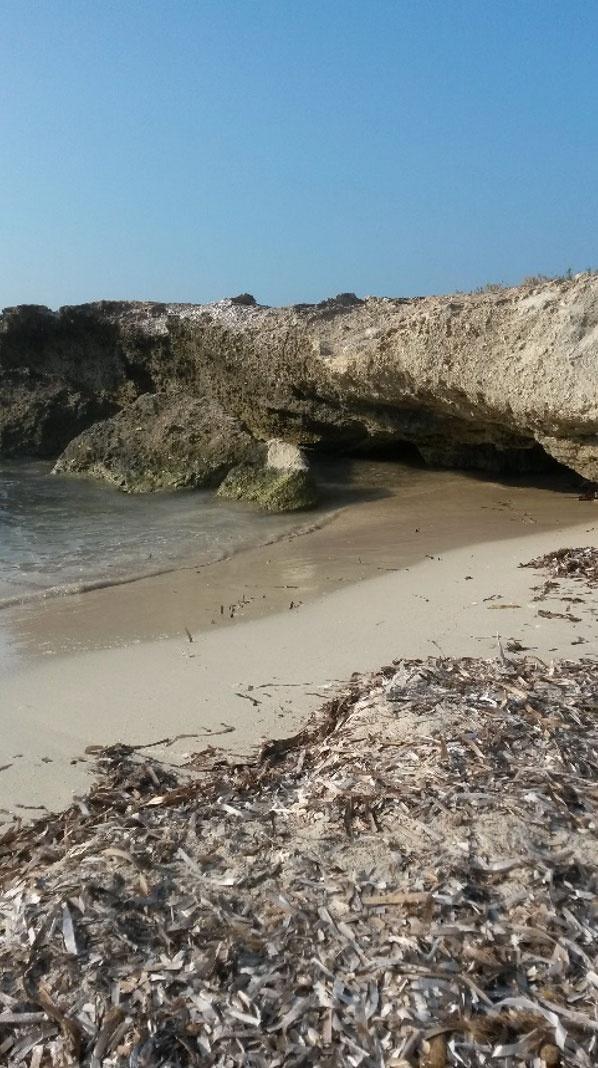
x,y
492,380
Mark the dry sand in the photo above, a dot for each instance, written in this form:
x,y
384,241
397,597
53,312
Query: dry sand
x,y
365,590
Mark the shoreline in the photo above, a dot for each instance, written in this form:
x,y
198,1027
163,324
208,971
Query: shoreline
x,y
396,526
74,589
261,671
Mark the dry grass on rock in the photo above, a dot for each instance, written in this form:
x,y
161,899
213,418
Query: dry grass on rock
x,y
410,881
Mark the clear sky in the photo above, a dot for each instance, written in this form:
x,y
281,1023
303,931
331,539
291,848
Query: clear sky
x,y
192,149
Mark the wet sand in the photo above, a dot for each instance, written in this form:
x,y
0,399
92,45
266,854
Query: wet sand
x,y
399,516
408,573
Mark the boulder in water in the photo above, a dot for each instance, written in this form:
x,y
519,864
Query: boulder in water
x,y
161,441
283,483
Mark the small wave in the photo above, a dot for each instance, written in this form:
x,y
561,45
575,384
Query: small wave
x,y
69,589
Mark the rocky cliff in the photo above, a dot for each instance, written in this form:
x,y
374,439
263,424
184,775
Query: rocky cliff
x,y
495,380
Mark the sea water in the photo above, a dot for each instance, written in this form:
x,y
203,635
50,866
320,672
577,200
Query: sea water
x,y
61,534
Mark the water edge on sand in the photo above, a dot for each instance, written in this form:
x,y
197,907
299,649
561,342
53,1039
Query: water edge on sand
x,y
273,628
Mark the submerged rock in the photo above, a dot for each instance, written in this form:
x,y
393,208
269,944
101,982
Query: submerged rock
x,y
161,441
282,484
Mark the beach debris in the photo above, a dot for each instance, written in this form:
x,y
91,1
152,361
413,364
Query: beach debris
x,y
233,609
411,881
547,614
248,697
580,563
515,646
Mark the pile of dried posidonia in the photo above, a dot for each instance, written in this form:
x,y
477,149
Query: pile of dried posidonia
x,y
580,563
411,880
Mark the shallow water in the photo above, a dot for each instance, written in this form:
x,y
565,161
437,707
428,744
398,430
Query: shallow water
x,y
62,534
59,534
68,535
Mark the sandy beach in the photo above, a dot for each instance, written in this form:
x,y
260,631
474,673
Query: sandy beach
x,y
299,535
246,648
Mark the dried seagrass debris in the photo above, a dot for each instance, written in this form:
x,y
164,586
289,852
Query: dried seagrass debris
x,y
580,563
411,881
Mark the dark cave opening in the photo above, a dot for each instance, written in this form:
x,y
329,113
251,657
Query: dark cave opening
x,y
528,466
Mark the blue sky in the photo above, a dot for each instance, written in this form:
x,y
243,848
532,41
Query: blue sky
x,y
191,149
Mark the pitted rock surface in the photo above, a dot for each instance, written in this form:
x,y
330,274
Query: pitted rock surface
x,y
493,380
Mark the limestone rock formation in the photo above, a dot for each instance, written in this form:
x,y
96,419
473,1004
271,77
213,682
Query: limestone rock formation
x,y
161,441
496,380
281,483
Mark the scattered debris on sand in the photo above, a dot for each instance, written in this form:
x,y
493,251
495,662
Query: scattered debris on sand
x,y
581,563
411,880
